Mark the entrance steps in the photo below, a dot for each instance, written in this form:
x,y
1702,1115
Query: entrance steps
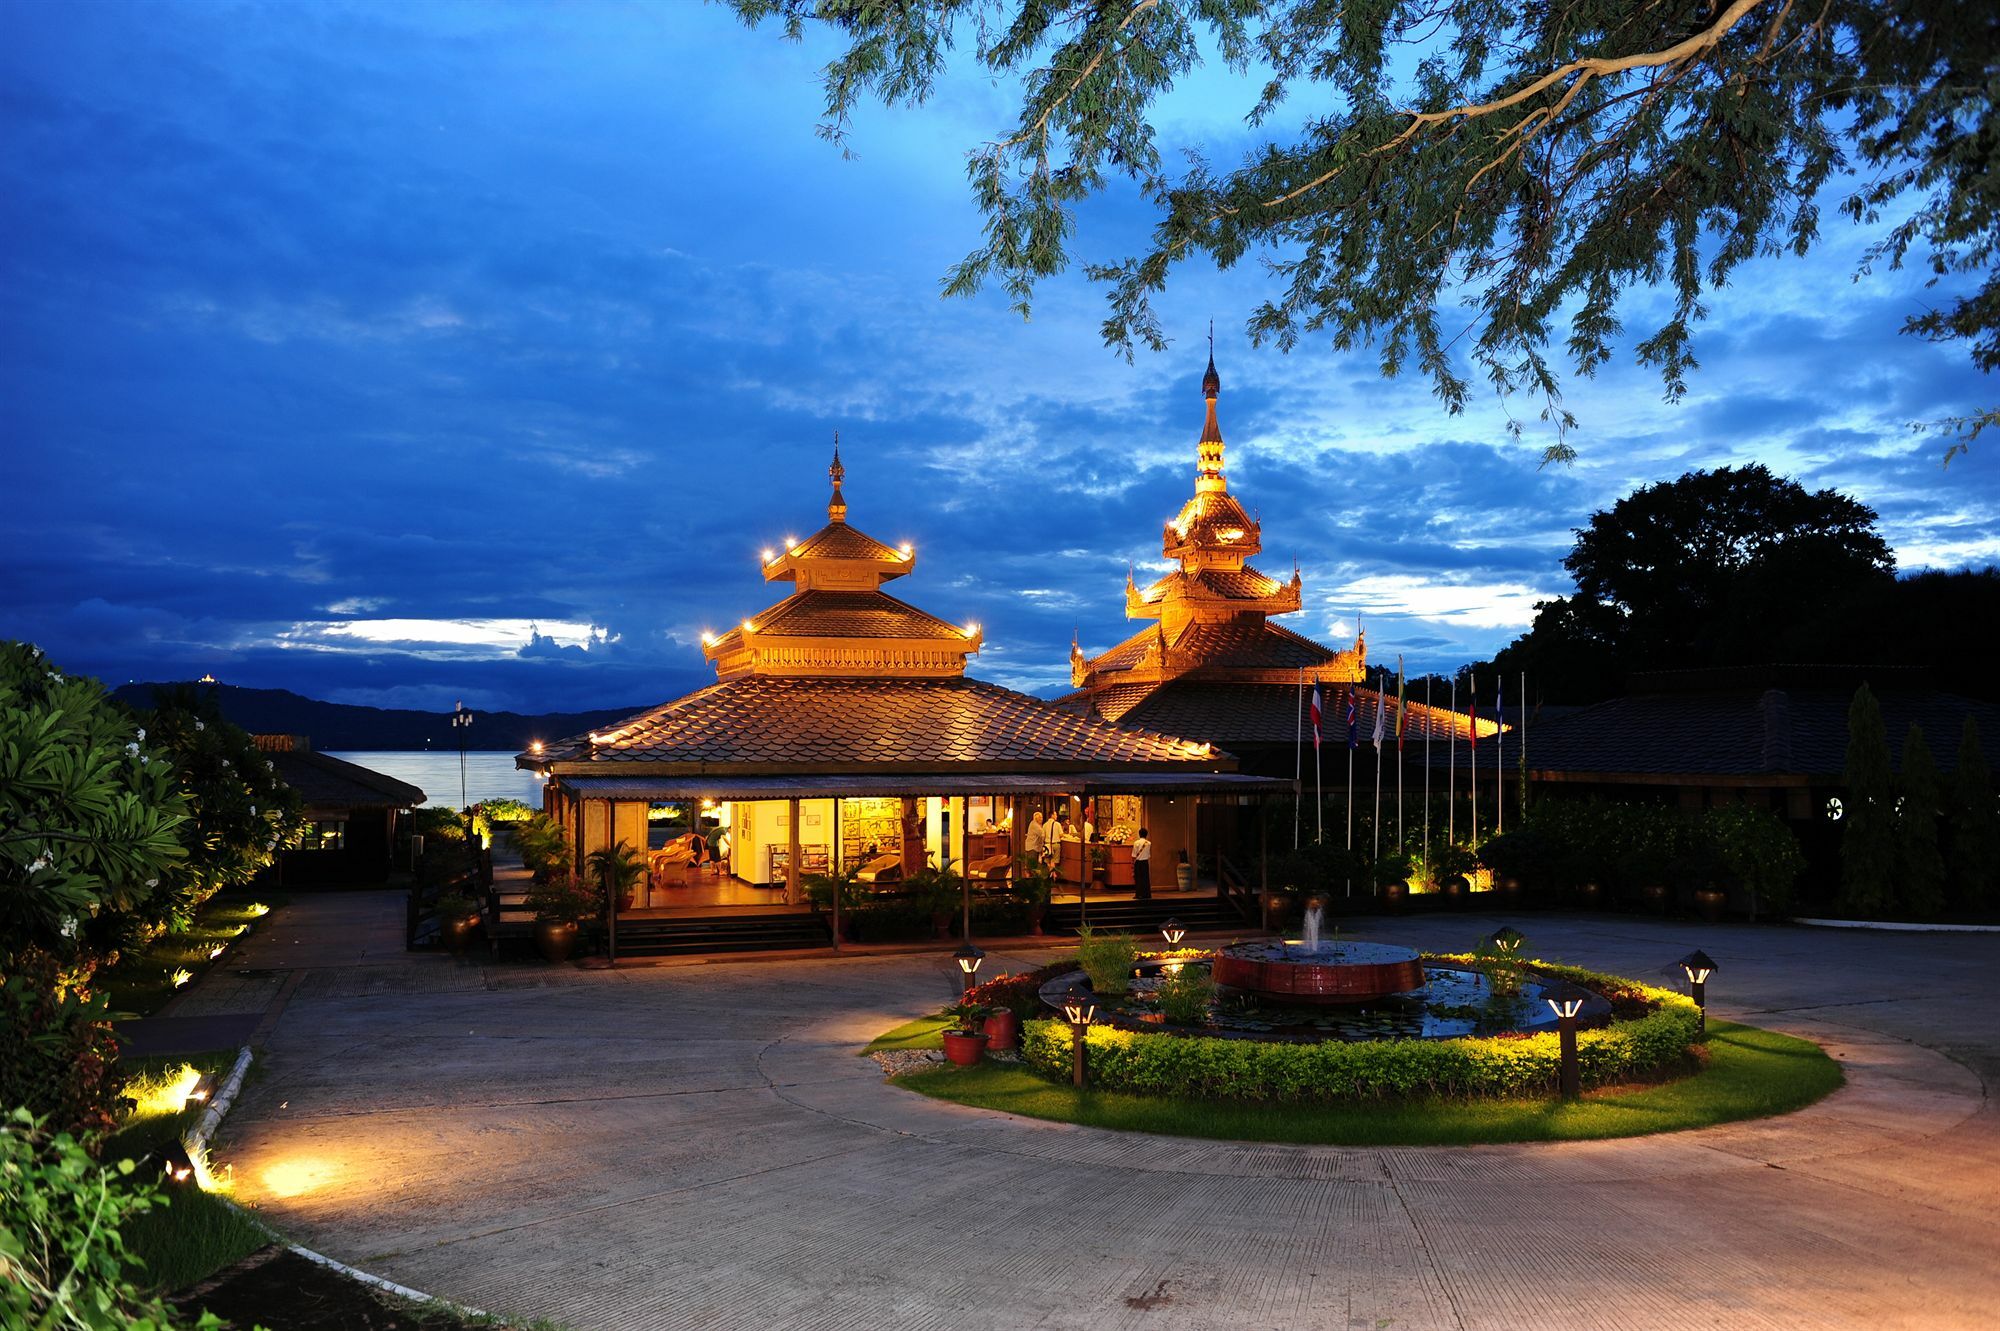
x,y
694,935
1198,914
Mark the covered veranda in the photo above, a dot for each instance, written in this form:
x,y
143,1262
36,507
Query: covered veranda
x,y
782,830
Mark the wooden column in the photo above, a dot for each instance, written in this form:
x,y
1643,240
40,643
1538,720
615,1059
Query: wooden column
x,y
964,861
1194,842
792,864
835,859
610,898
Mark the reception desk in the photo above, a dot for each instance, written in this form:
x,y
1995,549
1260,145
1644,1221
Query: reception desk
x,y
1117,869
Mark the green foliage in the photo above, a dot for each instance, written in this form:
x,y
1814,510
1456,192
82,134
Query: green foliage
x,y
61,1246
240,812
60,1059
542,844
454,905
1868,827
90,816
618,869
934,890
565,899
1020,992
1758,851
1032,883
1184,995
1920,872
1973,862
1532,163
1205,1067
1107,959
503,810
1749,1073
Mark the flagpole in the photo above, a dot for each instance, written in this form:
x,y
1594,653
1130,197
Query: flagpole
x,y
1524,745
1499,747
1319,797
1298,757
1402,725
1379,699
1427,771
1472,752
1451,786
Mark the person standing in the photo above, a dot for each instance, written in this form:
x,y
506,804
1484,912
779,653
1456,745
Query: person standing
x,y
1142,867
1035,844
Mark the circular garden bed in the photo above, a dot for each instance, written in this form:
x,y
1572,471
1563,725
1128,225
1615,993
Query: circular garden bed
x,y
1645,1068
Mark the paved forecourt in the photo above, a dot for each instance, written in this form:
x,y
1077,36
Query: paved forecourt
x,y
699,1146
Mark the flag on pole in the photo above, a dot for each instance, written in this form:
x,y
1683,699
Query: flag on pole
x,y
1315,718
1402,709
1381,709
1353,730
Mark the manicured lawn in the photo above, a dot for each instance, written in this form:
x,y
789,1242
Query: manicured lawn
x,y
1751,1073
923,1033
141,984
195,1233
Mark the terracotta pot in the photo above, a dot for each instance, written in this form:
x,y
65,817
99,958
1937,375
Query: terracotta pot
x,y
457,933
1710,902
1035,914
556,940
965,1047
1656,895
1587,895
1456,890
1003,1029
1394,893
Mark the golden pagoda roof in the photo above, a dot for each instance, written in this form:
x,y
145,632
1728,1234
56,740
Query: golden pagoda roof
x,y
1243,584
839,622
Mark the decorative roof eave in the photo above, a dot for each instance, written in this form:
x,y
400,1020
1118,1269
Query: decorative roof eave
x,y
1214,762
783,565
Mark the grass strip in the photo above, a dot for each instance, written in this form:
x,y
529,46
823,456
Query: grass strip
x,y
142,982
1751,1073
923,1033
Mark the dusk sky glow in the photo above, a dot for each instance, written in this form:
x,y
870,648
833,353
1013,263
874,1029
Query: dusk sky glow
x,y
400,354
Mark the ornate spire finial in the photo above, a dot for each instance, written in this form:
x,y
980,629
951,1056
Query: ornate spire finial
x,y
1211,383
836,507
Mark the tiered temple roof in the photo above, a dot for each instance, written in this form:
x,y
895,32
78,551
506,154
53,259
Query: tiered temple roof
x,y
841,678
1213,661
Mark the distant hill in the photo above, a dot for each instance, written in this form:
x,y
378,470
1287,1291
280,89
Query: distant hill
x,y
338,726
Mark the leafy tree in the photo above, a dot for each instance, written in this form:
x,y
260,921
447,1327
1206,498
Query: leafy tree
x,y
1972,864
1533,162
89,815
1919,863
240,811
1868,836
1719,567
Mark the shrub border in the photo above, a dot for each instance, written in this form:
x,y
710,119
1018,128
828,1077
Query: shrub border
x,y
1653,1034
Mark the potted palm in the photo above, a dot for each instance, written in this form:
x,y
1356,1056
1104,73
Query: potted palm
x,y
618,869
964,1041
458,916
1032,885
561,905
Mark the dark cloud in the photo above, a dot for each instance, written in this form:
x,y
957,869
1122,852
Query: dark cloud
x,y
359,312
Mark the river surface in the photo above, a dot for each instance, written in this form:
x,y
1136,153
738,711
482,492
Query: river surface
x,y
488,776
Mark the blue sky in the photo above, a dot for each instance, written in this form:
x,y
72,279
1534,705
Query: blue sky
x,y
404,353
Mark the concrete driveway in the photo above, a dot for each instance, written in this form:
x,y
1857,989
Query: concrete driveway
x,y
698,1146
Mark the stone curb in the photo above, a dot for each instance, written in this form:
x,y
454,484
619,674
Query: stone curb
x,y
196,1143
1893,926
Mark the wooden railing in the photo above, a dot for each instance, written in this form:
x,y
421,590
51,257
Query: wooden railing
x,y
1232,887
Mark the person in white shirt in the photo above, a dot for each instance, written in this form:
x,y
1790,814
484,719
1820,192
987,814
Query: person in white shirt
x,y
1089,829
1142,867
1035,843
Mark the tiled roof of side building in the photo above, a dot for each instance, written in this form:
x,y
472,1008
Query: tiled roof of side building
x,y
1248,641
1746,732
857,614
862,723
326,782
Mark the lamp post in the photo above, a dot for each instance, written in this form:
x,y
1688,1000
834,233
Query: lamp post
x,y
1507,941
1698,966
1081,1011
968,958
1566,1001
461,723
1173,931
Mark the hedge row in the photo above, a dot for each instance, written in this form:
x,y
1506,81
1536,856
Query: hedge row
x,y
1207,1067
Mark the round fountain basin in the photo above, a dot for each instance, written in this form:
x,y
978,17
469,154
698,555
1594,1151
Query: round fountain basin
x,y
1292,973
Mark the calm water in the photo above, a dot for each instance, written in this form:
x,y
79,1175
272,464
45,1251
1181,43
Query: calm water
x,y
488,776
